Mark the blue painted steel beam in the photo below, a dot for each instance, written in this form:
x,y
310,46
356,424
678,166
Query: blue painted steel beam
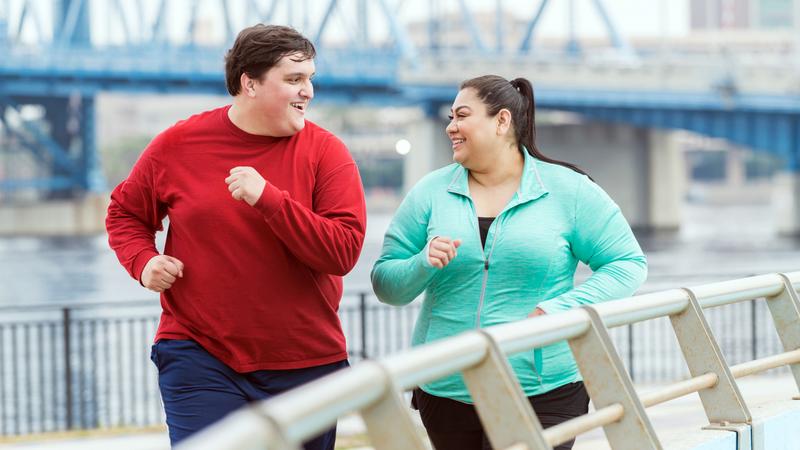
x,y
159,30
73,23
616,40
397,32
89,175
193,9
60,156
324,23
472,26
573,48
41,184
123,20
525,45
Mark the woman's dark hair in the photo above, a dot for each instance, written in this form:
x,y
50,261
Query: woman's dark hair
x,y
258,48
516,96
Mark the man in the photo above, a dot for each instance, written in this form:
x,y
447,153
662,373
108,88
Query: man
x,y
266,213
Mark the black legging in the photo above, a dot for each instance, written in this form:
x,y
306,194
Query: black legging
x,y
452,425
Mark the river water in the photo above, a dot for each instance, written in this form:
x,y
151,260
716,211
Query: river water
x,y
716,242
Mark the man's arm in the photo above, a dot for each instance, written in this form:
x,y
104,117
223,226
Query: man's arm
x,y
327,238
134,216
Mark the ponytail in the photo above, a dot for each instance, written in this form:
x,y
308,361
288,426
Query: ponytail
x,y
516,96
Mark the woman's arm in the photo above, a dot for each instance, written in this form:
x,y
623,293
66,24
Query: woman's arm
x,y
403,270
603,240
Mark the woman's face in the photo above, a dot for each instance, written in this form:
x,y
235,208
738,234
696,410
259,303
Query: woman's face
x,y
471,130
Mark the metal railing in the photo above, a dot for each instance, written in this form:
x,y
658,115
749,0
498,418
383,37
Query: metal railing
x,y
373,388
86,366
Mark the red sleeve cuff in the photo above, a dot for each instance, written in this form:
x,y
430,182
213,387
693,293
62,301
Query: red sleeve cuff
x,y
140,261
270,201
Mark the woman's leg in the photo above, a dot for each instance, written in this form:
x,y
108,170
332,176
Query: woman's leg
x,y
451,425
560,405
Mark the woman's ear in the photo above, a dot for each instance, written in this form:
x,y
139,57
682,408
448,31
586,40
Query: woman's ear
x,y
503,119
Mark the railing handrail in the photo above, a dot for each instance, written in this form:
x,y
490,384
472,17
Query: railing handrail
x,y
371,388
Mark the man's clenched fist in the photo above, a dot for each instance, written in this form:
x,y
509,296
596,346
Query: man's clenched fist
x,y
160,272
245,183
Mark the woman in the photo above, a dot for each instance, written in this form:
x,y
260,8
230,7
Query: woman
x,y
496,238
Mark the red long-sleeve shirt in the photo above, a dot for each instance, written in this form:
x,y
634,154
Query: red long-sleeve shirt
x,y
261,284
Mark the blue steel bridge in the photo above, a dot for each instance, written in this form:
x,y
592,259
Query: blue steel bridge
x,y
57,55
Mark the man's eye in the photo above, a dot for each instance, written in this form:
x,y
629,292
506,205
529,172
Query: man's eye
x,y
450,116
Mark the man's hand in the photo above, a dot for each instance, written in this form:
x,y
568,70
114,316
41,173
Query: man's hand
x,y
442,250
160,272
537,312
245,183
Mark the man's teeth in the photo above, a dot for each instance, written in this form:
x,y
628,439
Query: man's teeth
x,y
297,106
457,141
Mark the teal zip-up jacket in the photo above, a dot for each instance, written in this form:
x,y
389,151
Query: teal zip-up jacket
x,y
556,218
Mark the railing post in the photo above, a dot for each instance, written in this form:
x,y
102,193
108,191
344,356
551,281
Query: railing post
x,y
785,311
723,403
390,408
66,320
362,307
608,383
502,406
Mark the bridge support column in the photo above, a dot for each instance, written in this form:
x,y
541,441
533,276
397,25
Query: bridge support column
x,y
430,148
642,170
786,202
666,180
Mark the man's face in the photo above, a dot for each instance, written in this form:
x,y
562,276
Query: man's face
x,y
283,94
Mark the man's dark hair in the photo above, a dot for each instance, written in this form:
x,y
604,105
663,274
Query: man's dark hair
x,y
258,48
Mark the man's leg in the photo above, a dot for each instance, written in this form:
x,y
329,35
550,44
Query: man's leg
x,y
274,382
196,388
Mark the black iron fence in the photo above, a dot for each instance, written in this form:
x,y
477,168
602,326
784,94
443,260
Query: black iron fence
x,y
87,366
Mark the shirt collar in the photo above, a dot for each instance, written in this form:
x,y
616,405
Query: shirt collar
x,y
530,188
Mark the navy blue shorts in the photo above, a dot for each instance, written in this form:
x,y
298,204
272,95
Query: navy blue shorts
x,y
197,389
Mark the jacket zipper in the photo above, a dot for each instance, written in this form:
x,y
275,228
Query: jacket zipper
x,y
486,259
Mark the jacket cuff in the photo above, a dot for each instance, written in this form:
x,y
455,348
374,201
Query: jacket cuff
x,y
424,254
552,306
140,261
270,201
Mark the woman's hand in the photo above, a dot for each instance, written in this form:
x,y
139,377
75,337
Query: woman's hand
x,y
537,312
442,250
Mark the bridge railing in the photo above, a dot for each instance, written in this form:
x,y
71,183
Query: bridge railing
x,y
373,388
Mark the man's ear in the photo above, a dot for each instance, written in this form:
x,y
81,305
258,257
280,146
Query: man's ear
x,y
503,119
247,85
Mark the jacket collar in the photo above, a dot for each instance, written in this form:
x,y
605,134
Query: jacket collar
x,y
530,188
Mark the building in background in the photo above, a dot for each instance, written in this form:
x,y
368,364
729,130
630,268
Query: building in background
x,y
741,14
